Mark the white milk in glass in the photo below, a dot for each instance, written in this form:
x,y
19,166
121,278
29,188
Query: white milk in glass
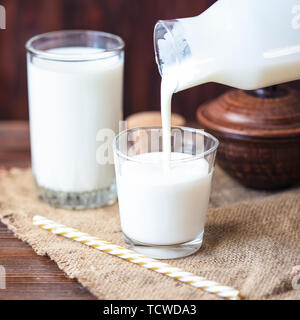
x,y
70,101
159,208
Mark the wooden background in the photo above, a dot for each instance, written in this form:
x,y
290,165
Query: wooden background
x,y
133,20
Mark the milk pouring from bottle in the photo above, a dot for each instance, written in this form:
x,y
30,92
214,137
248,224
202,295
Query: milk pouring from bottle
x,y
247,44
242,43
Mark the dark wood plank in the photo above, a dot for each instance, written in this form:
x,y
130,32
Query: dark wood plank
x,y
28,276
14,136
133,20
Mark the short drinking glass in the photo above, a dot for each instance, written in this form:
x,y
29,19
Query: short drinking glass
x,y
163,203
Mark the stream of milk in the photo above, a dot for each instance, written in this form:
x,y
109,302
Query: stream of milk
x,y
168,86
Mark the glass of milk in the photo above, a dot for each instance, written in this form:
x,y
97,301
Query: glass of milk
x,y
75,87
163,205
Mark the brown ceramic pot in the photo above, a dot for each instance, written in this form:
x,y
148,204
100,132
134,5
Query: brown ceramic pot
x,y
259,133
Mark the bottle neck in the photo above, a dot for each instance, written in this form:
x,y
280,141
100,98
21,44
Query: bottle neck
x,y
180,56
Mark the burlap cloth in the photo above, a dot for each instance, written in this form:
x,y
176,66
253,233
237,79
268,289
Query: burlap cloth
x,y
251,243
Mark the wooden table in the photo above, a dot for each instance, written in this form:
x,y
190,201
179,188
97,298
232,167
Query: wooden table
x,y
28,276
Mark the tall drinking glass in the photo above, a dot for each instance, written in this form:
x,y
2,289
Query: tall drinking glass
x,y
163,206
75,87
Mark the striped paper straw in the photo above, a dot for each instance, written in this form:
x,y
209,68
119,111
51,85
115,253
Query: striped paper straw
x,y
212,287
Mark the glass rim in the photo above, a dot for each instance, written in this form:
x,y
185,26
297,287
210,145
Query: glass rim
x,y
201,155
87,57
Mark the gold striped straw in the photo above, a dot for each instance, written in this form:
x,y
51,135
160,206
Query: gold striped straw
x,y
212,287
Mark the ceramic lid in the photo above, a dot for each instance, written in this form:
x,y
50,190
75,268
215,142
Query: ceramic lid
x,y
266,113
